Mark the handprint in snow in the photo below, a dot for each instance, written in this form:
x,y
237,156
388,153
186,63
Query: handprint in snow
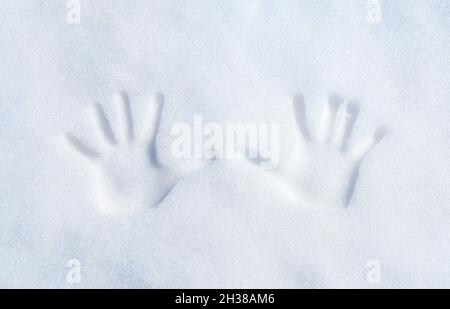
x,y
322,170
128,175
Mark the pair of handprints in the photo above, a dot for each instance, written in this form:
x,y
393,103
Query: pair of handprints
x,y
129,177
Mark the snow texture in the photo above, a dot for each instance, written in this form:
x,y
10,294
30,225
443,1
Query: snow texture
x,y
133,216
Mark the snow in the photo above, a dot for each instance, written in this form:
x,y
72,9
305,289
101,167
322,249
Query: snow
x,y
226,223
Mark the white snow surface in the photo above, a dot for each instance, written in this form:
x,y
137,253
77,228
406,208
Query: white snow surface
x,y
225,225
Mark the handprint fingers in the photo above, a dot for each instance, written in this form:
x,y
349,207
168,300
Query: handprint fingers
x,y
81,148
298,103
125,120
346,118
125,127
328,119
360,150
153,115
103,124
